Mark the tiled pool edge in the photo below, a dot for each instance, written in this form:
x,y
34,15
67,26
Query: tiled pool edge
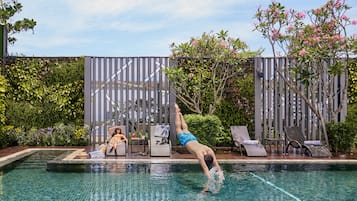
x,y
71,159
5,160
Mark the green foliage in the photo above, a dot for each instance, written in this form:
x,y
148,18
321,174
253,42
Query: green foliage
x,y
203,66
3,87
43,92
59,135
208,129
352,76
7,137
341,136
238,106
7,10
352,117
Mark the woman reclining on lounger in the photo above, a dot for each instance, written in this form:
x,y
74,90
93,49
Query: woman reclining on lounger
x,y
117,138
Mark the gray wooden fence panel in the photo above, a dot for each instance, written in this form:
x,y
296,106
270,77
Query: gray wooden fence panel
x,y
134,91
277,106
130,91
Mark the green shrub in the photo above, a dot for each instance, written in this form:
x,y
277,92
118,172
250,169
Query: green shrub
x,y
238,106
81,136
208,129
7,137
3,87
60,135
42,92
352,117
352,80
341,136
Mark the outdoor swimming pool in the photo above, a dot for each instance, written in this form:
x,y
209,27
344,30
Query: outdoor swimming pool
x,y
29,179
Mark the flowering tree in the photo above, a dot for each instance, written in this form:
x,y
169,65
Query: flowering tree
x,y
317,48
203,66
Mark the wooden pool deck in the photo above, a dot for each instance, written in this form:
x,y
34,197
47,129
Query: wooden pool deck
x,y
222,155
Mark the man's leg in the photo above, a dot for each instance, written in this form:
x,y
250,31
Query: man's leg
x,y
183,124
178,122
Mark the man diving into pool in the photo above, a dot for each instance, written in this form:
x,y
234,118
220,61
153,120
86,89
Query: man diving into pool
x,y
203,153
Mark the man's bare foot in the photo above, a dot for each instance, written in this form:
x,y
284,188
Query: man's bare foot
x,y
177,108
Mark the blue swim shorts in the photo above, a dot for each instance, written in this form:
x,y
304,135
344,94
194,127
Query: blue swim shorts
x,y
186,137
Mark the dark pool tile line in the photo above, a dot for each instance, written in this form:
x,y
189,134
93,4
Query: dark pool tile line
x,y
70,158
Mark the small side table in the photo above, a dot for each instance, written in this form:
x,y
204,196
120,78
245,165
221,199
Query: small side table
x,y
278,142
137,141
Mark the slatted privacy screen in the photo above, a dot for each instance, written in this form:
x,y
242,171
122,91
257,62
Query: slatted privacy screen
x,y
134,92
129,91
276,105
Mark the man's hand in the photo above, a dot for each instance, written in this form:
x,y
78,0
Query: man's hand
x,y
220,176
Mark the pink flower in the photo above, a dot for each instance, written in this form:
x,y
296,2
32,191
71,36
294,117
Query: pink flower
x,y
302,52
195,43
290,28
338,4
344,17
354,22
316,39
337,37
301,15
275,34
190,75
286,14
223,44
316,11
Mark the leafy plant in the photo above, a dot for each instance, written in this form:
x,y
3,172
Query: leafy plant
x,y
352,81
203,66
43,92
3,87
208,129
341,136
60,135
8,8
7,136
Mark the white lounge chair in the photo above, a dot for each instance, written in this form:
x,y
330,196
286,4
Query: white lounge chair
x,y
241,139
160,144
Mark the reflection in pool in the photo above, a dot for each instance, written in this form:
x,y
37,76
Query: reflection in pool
x,y
29,179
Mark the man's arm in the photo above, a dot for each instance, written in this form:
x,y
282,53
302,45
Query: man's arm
x,y
201,159
219,170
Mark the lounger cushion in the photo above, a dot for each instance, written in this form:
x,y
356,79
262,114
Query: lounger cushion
x,y
250,142
96,154
313,142
120,150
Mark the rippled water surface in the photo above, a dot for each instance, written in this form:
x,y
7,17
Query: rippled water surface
x,y
29,179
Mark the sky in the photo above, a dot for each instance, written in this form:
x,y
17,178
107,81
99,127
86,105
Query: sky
x,y
140,27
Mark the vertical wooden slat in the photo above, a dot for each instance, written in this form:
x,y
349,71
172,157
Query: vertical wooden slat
x,y
159,90
132,94
126,89
150,83
104,105
257,96
143,92
87,94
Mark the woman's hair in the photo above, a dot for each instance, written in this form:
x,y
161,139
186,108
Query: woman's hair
x,y
209,161
115,131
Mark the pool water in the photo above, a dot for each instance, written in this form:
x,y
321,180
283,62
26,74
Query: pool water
x,y
30,179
